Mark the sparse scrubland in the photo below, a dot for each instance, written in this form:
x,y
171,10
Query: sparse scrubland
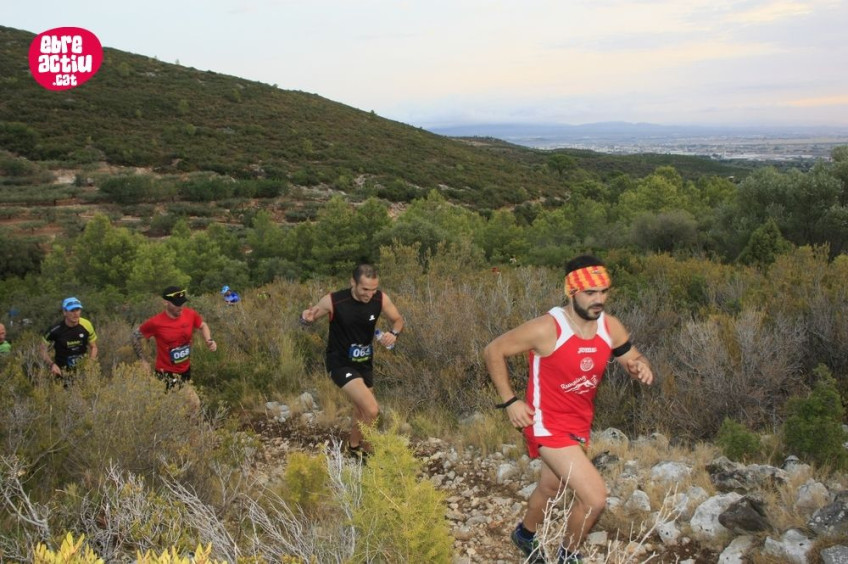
x,y
116,459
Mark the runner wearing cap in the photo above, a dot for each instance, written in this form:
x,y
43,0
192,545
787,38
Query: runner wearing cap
x,y
71,338
230,295
173,329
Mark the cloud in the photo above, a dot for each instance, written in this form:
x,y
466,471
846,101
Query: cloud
x,y
569,60
769,12
840,100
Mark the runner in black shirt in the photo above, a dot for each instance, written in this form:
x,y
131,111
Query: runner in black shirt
x,y
71,339
353,318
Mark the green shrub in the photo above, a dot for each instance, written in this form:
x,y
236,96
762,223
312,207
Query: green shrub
x,y
306,482
125,419
737,442
129,189
813,426
162,224
206,189
401,517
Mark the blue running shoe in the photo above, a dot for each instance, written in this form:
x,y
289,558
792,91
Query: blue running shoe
x,y
529,547
563,557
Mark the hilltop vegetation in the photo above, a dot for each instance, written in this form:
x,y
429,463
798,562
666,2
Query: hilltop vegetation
x,y
155,174
142,112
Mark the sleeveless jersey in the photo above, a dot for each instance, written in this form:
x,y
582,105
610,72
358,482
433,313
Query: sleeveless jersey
x,y
352,325
563,384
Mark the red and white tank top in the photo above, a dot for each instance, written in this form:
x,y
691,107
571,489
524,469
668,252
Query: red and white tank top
x,y
563,384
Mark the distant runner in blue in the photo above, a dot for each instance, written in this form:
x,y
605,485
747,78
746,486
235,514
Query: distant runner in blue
x,y
230,296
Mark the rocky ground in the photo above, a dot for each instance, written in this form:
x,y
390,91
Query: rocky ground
x,y
484,502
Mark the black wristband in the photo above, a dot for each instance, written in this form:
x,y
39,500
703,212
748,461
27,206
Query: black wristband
x,y
622,349
507,403
395,333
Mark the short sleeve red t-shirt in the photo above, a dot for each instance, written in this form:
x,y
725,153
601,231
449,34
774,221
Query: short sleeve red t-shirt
x,y
173,339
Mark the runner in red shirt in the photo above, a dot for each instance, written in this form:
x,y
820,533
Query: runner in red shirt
x,y
568,352
173,329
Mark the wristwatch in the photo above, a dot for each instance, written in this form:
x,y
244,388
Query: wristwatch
x,y
395,333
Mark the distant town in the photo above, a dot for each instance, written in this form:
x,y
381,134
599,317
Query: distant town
x,y
751,143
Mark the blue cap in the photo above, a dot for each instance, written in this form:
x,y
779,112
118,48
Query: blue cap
x,y
70,304
225,289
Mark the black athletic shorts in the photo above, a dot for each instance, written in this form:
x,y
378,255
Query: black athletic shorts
x,y
344,374
173,379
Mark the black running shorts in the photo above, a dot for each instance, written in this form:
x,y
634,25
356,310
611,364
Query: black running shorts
x,y
345,374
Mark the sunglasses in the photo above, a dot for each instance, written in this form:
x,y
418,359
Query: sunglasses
x,y
177,294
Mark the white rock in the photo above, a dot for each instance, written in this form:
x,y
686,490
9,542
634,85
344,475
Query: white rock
x,y
668,532
505,472
526,491
736,550
704,522
670,472
638,501
597,538
792,547
812,496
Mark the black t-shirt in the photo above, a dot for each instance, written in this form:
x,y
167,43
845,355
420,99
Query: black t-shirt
x,y
70,343
352,330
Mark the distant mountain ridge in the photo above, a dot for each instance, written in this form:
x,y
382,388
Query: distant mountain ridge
x,y
628,130
625,137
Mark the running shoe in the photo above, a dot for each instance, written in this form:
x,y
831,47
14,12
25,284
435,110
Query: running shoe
x,y
530,548
358,453
573,558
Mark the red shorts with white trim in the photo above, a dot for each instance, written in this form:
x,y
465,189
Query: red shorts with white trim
x,y
553,441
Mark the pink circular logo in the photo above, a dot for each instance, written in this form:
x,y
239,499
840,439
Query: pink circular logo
x,y
64,57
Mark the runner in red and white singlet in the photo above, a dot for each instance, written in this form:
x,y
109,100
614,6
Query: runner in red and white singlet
x,y
562,386
568,350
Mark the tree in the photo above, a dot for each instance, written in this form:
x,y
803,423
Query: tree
x,y
431,221
839,155
661,191
551,238
560,163
501,238
374,218
765,244
103,255
129,188
153,268
208,268
20,258
665,232
813,426
265,238
340,239
797,201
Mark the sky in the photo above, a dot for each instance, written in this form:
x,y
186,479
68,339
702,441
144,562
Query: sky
x,y
436,63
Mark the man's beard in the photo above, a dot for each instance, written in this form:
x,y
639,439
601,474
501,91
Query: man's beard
x,y
584,313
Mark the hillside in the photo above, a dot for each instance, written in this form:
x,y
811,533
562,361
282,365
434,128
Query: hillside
x,y
142,112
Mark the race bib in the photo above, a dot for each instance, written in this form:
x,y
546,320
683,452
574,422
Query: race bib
x,y
180,354
359,353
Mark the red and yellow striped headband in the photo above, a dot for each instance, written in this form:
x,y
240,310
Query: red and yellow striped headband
x,y
587,277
